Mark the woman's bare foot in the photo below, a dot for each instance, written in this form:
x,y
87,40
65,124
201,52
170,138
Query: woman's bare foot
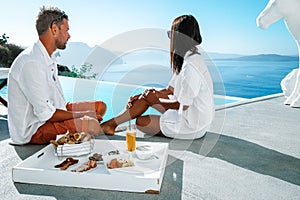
x,y
108,127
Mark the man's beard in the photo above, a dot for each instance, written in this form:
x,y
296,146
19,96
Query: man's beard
x,y
61,45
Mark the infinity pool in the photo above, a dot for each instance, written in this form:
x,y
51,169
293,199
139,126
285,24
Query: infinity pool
x,y
115,95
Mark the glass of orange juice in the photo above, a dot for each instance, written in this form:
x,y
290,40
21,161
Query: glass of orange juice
x,y
130,139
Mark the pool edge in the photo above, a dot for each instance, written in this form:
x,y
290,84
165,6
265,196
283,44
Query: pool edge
x,y
244,101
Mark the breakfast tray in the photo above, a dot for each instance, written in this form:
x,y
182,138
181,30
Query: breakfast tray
x,y
146,176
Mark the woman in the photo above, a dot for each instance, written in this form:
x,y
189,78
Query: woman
x,y
187,104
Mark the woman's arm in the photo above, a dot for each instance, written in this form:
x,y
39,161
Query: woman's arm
x,y
159,93
165,92
155,100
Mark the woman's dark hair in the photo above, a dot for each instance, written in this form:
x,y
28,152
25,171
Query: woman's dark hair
x,y
47,17
185,36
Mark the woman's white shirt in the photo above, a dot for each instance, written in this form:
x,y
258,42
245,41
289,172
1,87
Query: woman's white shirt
x,y
193,87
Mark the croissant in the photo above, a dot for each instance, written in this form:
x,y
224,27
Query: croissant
x,y
66,163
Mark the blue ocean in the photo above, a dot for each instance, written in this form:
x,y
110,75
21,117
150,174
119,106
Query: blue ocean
x,y
249,79
246,79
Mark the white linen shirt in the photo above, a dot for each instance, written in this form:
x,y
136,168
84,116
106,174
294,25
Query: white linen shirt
x,y
193,87
34,92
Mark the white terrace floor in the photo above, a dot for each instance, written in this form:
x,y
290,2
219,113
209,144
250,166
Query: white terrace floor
x,y
251,152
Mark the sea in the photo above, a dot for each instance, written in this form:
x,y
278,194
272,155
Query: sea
x,y
250,79
245,79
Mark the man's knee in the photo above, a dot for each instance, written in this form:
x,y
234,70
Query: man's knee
x,y
101,107
94,127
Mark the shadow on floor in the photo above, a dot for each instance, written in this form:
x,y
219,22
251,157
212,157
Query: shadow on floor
x,y
244,154
241,153
257,158
4,134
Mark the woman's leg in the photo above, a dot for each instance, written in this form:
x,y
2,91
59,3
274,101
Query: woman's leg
x,y
149,124
137,109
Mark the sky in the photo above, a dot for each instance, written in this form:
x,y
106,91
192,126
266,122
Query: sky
x,y
227,26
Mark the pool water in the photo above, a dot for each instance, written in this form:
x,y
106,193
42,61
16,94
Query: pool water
x,y
115,95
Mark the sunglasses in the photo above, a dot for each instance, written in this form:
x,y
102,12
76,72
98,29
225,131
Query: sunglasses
x,y
169,34
58,19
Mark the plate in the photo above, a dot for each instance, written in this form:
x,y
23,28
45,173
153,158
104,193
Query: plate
x,y
141,167
144,152
120,157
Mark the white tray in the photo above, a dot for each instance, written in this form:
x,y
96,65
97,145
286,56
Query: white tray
x,y
145,176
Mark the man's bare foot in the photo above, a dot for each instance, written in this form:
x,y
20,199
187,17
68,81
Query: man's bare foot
x,y
108,128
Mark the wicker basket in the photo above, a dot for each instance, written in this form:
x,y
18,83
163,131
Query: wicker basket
x,y
74,149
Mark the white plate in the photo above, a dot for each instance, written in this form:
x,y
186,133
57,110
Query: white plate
x,y
140,167
124,156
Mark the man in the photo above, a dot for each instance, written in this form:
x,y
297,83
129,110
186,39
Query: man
x,y
37,110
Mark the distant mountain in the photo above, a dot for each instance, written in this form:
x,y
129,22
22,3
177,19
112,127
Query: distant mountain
x,y
74,55
101,58
78,53
263,57
214,55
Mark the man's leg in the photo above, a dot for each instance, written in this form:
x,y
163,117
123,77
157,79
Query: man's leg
x,y
98,106
49,130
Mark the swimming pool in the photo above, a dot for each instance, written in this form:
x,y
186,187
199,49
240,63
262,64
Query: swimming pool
x,y
115,95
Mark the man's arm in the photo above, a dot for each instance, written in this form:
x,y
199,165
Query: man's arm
x,y
62,115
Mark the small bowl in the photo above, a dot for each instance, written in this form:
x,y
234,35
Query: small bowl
x,y
144,152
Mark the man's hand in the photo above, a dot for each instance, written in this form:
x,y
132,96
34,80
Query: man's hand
x,y
94,115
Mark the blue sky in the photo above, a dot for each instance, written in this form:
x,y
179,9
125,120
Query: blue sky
x,y
227,26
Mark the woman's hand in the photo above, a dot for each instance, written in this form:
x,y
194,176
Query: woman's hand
x,y
151,96
161,93
131,100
